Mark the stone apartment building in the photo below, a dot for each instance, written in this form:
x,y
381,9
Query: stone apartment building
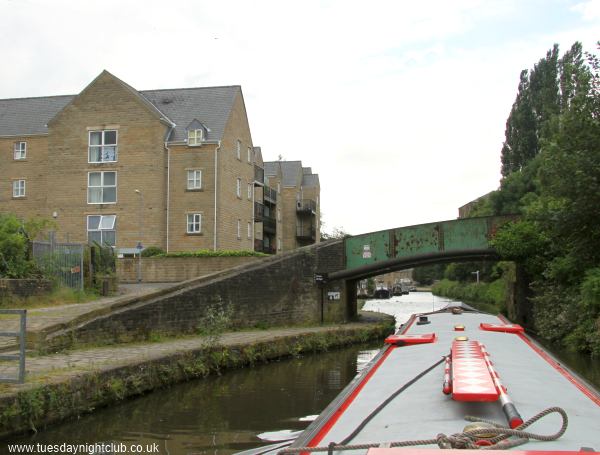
x,y
299,205
170,168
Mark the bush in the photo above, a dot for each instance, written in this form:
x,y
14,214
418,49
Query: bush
x,y
152,251
213,254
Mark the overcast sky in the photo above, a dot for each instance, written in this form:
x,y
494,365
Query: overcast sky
x,y
399,106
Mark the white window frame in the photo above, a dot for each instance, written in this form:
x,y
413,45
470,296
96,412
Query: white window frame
x,y
238,150
102,145
239,229
20,150
195,137
250,187
279,244
238,188
249,230
250,155
18,188
106,224
193,223
194,179
102,186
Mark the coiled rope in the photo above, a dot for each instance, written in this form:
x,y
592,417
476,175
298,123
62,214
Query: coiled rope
x,y
465,440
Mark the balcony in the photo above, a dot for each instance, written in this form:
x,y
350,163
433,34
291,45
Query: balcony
x,y
259,175
306,232
270,195
260,246
269,225
306,206
259,212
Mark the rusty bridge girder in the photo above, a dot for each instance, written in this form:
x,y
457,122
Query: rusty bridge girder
x,y
378,252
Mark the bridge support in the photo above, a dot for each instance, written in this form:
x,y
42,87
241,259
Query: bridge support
x,y
519,306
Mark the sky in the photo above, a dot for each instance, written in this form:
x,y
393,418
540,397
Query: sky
x,y
399,106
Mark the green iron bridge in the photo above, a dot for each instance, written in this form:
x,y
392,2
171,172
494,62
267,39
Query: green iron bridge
x,y
380,252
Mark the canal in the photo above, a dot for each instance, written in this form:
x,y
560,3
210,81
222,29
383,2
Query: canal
x,y
226,414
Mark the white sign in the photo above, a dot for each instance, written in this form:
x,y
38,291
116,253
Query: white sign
x,y
366,252
333,296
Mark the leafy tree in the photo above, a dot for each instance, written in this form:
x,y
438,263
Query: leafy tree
x,y
15,237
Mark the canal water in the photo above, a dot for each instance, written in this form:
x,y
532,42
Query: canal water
x,y
226,414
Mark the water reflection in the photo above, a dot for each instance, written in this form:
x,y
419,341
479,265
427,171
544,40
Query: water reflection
x,y
220,415
402,307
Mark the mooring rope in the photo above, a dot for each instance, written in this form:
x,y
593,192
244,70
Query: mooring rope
x,y
465,440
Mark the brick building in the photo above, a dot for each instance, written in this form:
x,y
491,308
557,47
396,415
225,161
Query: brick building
x,y
170,168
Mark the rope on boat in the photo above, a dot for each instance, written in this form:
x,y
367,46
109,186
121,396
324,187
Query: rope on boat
x,y
465,440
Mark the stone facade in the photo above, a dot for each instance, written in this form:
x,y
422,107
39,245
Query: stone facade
x,y
174,269
156,183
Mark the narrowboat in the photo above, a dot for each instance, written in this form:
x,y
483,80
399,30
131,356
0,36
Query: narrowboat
x,y
457,379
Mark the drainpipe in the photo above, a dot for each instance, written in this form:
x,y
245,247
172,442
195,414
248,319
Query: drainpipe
x,y
168,179
216,180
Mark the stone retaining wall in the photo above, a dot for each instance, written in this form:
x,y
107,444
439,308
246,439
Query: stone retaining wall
x,y
278,290
24,287
173,270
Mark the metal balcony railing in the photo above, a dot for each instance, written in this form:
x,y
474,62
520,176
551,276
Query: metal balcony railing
x,y
269,225
259,211
306,206
270,194
260,246
306,232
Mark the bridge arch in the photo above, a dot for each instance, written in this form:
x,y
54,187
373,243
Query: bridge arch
x,y
375,253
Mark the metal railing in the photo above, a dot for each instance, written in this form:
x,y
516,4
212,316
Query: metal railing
x,y
306,206
64,261
259,211
306,232
21,335
270,194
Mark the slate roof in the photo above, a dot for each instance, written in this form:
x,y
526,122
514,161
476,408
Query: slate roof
x,y
310,180
293,174
209,105
271,168
23,116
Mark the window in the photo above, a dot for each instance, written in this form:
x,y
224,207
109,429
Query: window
x,y
278,187
239,229
249,230
18,188
102,187
20,150
102,146
194,223
249,190
195,137
194,179
102,229
249,154
238,149
238,188
279,244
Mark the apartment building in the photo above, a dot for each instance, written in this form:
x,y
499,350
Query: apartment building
x,y
170,168
297,213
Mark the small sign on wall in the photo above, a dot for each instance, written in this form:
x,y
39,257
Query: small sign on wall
x,y
333,295
366,252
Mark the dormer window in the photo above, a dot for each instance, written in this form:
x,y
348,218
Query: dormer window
x,y
195,137
196,133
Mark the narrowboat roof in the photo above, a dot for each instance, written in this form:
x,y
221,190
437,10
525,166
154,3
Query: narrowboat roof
x,y
533,379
